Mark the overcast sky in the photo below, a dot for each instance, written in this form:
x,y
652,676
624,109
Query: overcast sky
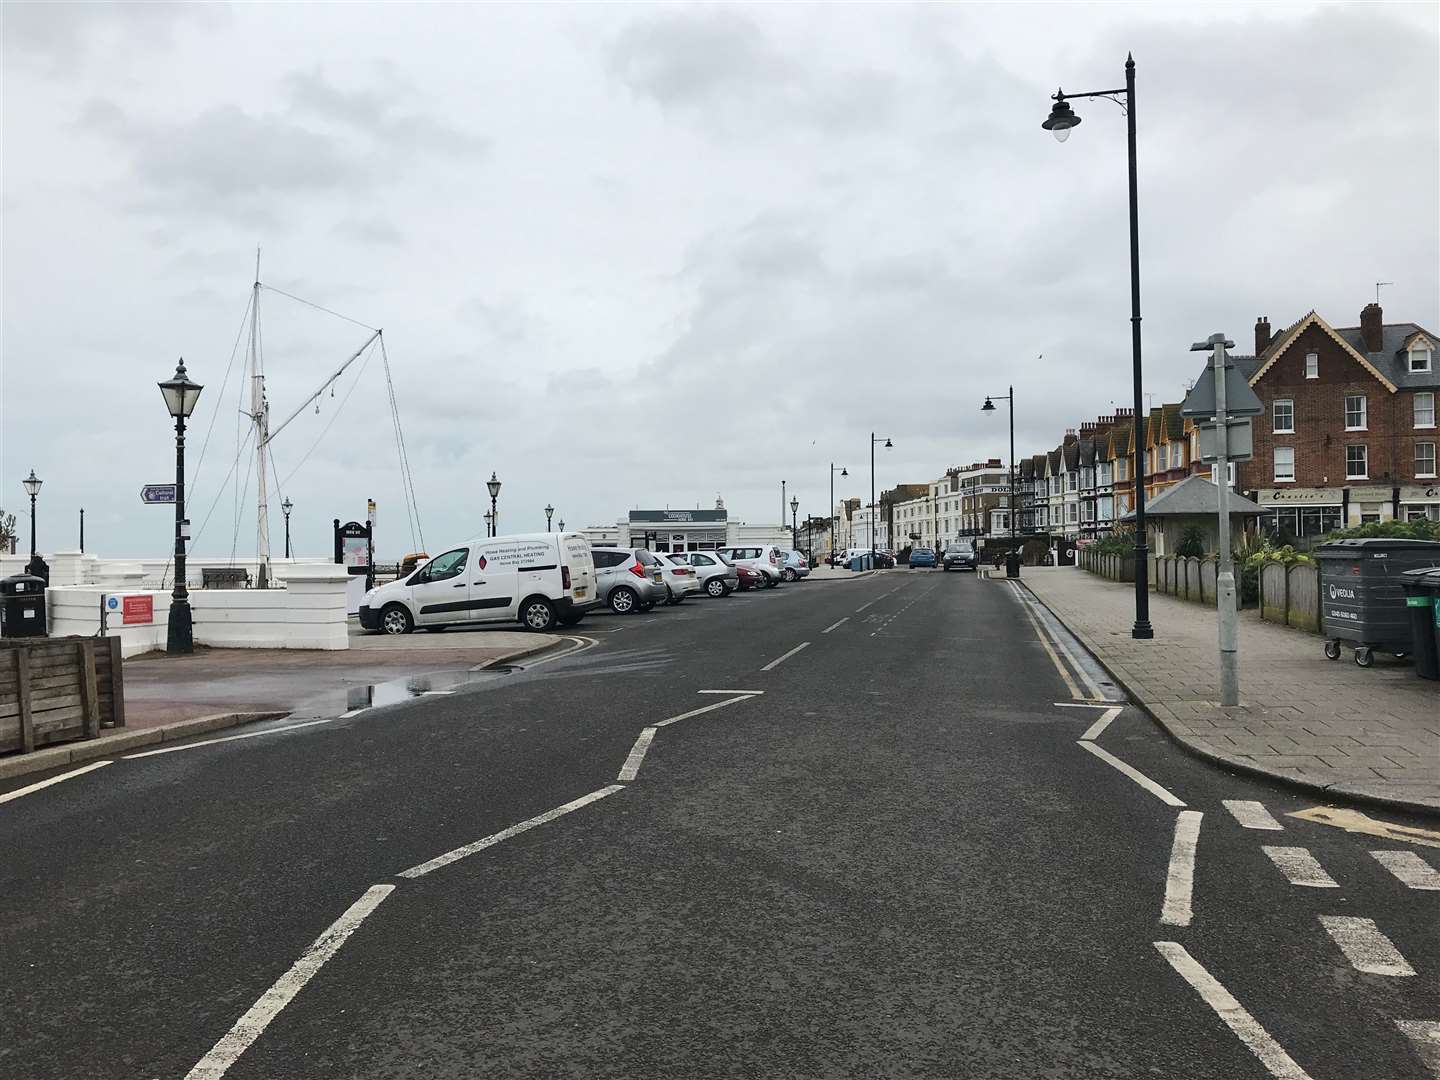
x,y
644,255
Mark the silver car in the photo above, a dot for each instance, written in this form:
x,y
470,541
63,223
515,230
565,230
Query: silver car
x,y
628,579
679,578
717,577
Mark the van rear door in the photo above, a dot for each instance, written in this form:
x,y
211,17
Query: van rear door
x,y
576,559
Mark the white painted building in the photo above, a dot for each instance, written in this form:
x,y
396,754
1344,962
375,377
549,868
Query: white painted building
x,y
685,530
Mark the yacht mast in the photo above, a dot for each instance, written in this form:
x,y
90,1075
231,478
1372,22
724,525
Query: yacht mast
x,y
260,416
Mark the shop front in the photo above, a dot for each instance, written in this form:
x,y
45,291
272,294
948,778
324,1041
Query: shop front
x,y
1420,502
1292,514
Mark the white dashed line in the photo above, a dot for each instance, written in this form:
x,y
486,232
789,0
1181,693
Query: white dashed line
x,y
436,693
1246,1028
834,625
1134,774
1087,704
703,709
1366,948
1413,871
1300,867
1096,729
505,834
1424,1036
755,692
230,738
781,659
631,768
1180,879
1251,815
248,1028
53,780
353,712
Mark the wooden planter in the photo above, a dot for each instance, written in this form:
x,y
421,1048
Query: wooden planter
x,y
58,689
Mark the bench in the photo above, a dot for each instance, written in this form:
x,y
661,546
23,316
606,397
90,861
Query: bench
x,y
224,577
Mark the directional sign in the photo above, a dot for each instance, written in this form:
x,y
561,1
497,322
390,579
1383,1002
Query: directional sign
x,y
157,493
1240,400
1240,442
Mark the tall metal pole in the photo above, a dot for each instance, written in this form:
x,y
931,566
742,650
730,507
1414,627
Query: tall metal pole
x,y
32,523
180,628
1225,578
1014,506
1142,628
832,513
873,508
82,530
494,517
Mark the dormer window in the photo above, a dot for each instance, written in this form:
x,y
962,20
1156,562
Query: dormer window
x,y
1312,365
1420,357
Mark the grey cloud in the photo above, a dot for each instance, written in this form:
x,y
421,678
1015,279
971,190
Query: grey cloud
x,y
375,231
374,113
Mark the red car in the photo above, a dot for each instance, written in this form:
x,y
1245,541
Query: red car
x,y
749,579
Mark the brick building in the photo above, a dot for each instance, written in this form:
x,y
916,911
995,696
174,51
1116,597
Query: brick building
x,y
1349,432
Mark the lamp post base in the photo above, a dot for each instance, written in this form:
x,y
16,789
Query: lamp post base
x,y
1142,631
180,630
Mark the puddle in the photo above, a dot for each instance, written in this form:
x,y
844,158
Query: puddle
x,y
395,691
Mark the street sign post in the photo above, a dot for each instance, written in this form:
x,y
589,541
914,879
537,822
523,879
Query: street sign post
x,y
153,494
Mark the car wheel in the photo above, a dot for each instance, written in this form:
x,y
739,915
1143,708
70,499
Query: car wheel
x,y
647,605
623,600
771,582
395,619
670,597
538,614
789,574
715,586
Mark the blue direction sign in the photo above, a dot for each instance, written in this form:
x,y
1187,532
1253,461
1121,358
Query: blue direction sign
x,y
157,493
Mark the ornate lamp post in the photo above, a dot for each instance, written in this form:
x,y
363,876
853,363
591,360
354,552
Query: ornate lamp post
x,y
1061,122
35,567
562,524
285,508
873,511
494,485
794,529
549,511
489,523
180,397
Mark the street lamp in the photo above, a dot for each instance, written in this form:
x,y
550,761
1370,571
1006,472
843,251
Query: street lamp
x,y
1012,564
888,446
180,397
794,529
562,524
1061,121
843,473
494,486
489,523
35,567
549,510
285,508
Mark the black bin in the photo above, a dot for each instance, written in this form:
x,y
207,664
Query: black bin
x,y
1362,600
22,606
1422,593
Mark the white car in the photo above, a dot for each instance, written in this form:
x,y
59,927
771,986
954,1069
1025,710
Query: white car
x,y
767,559
680,579
537,579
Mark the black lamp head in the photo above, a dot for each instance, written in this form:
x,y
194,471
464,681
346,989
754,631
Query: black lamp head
x,y
989,406
1062,119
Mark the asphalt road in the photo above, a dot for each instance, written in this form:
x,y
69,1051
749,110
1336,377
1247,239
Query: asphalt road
x,y
894,860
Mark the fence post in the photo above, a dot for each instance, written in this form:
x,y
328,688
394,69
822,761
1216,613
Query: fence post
x,y
117,684
22,697
89,697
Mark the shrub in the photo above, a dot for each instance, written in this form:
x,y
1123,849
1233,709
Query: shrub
x,y
1192,543
1400,530
1253,555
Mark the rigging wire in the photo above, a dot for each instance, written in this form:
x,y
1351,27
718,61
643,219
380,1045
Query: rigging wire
x,y
224,380
407,478
241,488
317,307
369,353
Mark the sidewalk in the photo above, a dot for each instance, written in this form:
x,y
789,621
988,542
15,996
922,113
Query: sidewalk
x,y
1371,733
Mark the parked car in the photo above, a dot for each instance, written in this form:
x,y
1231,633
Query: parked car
x,y
749,577
767,558
679,579
628,579
960,555
794,566
921,556
539,579
716,576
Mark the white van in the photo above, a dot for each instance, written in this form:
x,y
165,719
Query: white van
x,y
537,579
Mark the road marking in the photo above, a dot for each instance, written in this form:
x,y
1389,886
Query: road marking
x,y
1095,729
1180,878
1424,1036
505,834
1246,1028
1133,773
1355,821
1095,692
436,693
755,692
1363,944
9,795
781,659
581,644
229,738
1087,704
353,712
248,1028
704,709
832,626
1413,871
1069,682
1300,867
631,768
1250,814
862,607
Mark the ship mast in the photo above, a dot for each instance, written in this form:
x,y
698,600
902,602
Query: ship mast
x,y
260,417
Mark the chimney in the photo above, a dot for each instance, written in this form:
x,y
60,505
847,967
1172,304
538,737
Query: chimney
x,y
1262,334
1372,325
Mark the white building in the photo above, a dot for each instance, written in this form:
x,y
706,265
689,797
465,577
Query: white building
x,y
685,530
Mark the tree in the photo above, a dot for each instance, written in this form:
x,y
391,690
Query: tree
x,y
7,531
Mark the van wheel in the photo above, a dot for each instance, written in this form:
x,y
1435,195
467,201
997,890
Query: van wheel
x,y
623,600
394,619
715,587
538,614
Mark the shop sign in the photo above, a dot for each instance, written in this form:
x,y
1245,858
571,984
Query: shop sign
x,y
1299,497
1414,493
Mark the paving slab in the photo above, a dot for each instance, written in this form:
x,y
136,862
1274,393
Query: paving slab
x,y
1369,734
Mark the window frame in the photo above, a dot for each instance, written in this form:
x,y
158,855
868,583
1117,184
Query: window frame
x,y
1365,452
1429,359
1364,424
1415,410
1312,365
1275,428
1275,466
1424,475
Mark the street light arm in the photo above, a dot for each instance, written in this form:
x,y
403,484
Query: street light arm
x,y
1060,95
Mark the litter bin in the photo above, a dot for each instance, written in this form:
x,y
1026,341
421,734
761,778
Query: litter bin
x,y
1362,601
1012,563
863,562
1422,593
22,606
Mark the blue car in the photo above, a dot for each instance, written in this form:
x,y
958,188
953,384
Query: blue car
x,y
921,557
